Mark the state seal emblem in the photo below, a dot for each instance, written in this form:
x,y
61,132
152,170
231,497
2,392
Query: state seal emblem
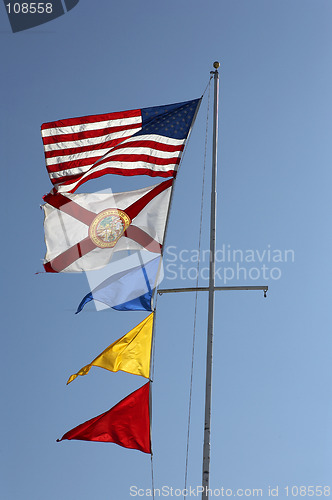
x,y
108,227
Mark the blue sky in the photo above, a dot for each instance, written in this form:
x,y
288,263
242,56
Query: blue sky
x,y
271,416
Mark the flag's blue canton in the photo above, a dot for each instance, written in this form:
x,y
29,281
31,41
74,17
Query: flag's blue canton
x,y
173,120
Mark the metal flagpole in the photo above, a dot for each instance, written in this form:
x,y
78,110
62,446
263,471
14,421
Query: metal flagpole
x,y
211,289
208,383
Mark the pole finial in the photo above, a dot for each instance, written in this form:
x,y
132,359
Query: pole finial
x,y
216,64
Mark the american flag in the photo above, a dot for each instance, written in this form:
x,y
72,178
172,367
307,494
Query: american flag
x,y
147,141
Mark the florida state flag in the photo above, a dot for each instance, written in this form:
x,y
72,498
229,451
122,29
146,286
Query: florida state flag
x,y
82,231
126,424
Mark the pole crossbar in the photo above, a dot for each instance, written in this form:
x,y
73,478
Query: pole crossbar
x,y
264,288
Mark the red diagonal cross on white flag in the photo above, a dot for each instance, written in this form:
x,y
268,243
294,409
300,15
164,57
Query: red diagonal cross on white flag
x,y
83,231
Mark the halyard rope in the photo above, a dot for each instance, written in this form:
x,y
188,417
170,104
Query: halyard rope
x,y
196,294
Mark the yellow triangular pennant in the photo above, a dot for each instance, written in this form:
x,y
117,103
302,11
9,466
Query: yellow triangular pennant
x,y
131,353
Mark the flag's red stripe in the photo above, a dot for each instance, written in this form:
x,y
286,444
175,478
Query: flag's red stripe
x,y
95,161
92,160
158,146
144,239
132,158
70,179
88,134
115,144
62,167
69,256
91,119
84,149
133,210
116,171
70,207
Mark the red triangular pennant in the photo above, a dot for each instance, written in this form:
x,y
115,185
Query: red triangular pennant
x,y
126,424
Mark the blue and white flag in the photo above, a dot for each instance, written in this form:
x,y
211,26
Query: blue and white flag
x,y
127,290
